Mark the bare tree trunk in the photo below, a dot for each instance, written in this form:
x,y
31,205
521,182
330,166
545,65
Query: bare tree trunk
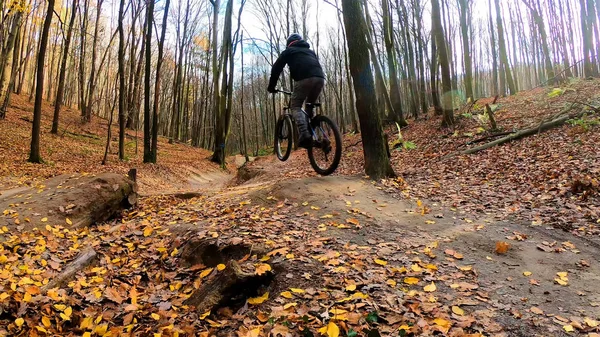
x,y
439,36
464,6
63,70
391,57
122,88
34,155
377,162
539,21
7,59
503,52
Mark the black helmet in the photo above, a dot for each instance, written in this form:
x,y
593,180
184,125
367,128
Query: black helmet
x,y
293,38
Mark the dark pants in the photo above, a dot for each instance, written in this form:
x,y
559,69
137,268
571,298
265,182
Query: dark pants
x,y
307,90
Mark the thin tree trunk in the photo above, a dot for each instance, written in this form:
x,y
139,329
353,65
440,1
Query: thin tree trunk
x,y
63,70
34,155
438,34
503,53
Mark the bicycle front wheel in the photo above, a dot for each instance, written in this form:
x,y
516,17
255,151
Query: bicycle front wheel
x,y
283,138
326,152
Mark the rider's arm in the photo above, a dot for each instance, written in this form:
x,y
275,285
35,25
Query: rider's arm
x,y
276,71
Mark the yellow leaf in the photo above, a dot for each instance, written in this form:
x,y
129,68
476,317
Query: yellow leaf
x,y
221,267
19,322
68,221
206,272
258,300
331,330
338,311
404,327
155,316
527,273
49,228
411,280
430,222
27,297
41,329
46,321
263,268
86,323
87,334
289,305
351,287
175,251
442,323
561,282
316,208
204,315
458,311
466,268
430,288
287,294
359,295
101,329
590,322
416,268
68,311
563,274
381,262
148,231
254,333
568,328
297,291
44,219
391,283
60,307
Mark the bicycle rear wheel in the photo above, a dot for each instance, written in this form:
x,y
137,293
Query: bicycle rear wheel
x,y
283,138
326,152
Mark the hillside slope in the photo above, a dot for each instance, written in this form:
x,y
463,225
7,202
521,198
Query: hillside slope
x,y
79,148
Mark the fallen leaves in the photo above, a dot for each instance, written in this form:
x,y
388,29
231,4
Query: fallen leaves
x,y
458,311
502,247
262,269
430,288
330,330
562,278
381,262
258,300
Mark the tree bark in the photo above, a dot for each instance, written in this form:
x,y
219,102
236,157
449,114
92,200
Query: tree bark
x,y
503,53
377,162
464,6
439,36
34,155
63,70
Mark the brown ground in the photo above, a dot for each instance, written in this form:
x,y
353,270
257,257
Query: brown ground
x,y
348,253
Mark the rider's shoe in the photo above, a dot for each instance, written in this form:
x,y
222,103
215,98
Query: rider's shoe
x,y
305,138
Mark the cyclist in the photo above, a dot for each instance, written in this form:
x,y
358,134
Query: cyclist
x,y
309,80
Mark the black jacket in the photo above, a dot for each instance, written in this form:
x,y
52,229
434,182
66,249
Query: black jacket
x,y
303,63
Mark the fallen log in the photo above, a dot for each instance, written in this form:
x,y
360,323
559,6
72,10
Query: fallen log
x,y
68,200
229,285
557,121
493,135
85,258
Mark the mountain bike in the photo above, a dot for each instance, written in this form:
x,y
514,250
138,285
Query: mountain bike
x,y
326,150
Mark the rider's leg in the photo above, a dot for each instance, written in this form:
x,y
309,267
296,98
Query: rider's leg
x,y
301,91
312,96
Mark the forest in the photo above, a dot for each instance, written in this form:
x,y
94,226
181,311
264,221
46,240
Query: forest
x,y
196,71
145,190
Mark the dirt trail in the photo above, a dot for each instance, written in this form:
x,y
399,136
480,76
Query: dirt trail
x,y
501,277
